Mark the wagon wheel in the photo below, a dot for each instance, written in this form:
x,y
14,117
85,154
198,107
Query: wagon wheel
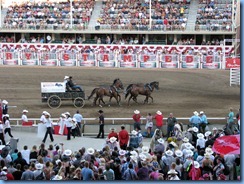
x,y
54,102
79,102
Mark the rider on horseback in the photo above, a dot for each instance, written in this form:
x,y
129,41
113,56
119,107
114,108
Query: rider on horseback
x,y
148,85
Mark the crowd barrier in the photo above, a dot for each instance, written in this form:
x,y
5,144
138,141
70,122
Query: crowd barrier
x,y
129,56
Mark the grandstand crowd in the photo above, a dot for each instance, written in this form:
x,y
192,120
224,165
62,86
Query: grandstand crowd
x,y
180,155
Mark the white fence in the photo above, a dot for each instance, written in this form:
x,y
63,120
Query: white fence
x,y
235,76
115,121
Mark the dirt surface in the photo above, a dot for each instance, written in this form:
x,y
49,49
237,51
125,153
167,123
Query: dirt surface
x,y
181,91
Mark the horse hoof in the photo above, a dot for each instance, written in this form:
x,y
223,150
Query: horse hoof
x,y
100,106
108,105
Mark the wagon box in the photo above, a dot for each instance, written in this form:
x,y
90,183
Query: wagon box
x,y
50,87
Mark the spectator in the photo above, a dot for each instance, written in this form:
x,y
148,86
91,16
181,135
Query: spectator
x,y
159,121
171,120
123,138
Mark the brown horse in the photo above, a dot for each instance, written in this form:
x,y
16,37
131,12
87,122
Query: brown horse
x,y
141,89
111,91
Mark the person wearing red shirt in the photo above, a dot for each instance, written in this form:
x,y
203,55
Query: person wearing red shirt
x,y
159,120
137,120
123,138
113,134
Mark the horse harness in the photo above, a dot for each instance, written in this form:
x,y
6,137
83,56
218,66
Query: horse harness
x,y
149,86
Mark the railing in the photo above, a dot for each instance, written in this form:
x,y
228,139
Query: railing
x,y
235,76
114,121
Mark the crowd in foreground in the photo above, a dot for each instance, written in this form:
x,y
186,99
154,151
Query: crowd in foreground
x,y
191,158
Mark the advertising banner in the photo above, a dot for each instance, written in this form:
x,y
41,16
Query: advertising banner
x,y
50,62
148,64
189,65
48,59
68,59
51,87
127,60
107,64
232,63
10,58
211,65
169,65
29,58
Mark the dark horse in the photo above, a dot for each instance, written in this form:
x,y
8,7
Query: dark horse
x,y
141,89
111,91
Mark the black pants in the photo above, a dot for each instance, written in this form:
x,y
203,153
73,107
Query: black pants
x,y
8,130
202,127
2,138
48,131
69,133
101,131
79,125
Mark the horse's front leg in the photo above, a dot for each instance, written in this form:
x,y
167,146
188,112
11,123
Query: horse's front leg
x,y
117,97
95,101
146,100
151,98
129,100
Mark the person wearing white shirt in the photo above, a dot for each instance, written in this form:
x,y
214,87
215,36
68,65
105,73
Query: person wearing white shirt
x,y
48,122
200,141
24,116
1,133
7,127
68,123
78,118
26,154
61,124
42,118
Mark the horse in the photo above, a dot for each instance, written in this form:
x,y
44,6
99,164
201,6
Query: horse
x,y
141,89
111,91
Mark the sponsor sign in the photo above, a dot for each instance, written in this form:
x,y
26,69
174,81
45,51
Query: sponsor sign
x,y
70,62
30,62
51,87
106,64
211,65
148,64
10,62
169,65
189,59
232,63
50,62
189,65
87,63
128,64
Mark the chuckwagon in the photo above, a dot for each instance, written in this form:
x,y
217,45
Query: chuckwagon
x,y
53,93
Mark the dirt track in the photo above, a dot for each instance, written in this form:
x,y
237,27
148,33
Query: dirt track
x,y
182,91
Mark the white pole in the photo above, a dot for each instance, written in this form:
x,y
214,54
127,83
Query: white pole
x,y
71,15
223,60
150,14
0,13
233,18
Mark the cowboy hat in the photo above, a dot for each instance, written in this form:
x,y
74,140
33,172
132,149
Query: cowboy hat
x,y
196,164
190,129
161,141
44,112
67,152
214,128
5,102
142,156
195,129
66,77
63,115
137,112
5,168
134,158
112,139
39,166
208,133
195,113
189,153
178,153
169,153
200,136
122,152
145,149
188,145
173,144
6,115
133,132
57,177
112,129
57,161
67,113
47,114
185,139
201,112
134,153
159,113
74,119
207,155
172,171
177,126
209,151
90,151
25,111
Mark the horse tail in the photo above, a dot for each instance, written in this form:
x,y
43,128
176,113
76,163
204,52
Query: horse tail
x,y
93,92
128,90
